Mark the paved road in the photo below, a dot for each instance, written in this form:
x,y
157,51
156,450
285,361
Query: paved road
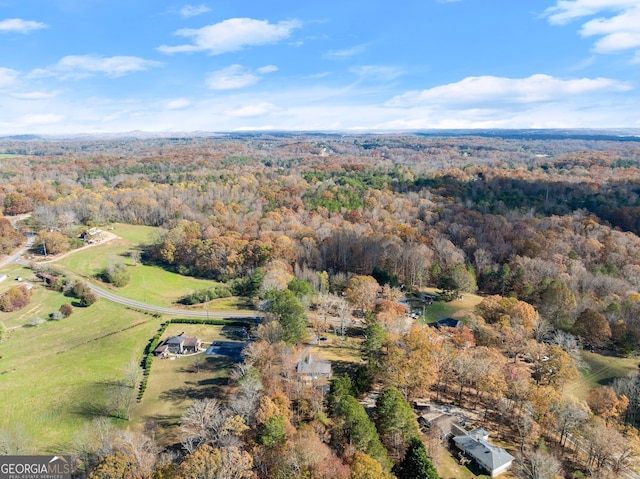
x,y
108,295
18,255
184,313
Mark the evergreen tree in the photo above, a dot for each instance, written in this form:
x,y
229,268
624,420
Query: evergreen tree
x,y
290,313
341,387
416,464
395,420
358,430
374,336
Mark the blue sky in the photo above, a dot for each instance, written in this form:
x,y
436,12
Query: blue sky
x,y
73,66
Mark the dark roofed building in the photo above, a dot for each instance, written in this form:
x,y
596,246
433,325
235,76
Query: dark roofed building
x,y
446,323
180,344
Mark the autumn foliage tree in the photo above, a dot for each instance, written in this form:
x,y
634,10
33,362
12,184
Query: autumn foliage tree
x,y
53,242
604,402
593,327
17,297
9,237
362,292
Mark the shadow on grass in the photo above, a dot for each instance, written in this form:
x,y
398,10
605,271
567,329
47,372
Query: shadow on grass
x,y
234,332
161,421
342,367
195,390
92,409
217,363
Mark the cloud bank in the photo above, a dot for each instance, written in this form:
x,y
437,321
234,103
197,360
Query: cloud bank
x,y
232,35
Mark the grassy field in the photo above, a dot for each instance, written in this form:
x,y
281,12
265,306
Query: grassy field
x,y
149,284
42,301
602,371
174,384
443,309
53,377
449,468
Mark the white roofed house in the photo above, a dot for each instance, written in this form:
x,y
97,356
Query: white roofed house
x,y
475,444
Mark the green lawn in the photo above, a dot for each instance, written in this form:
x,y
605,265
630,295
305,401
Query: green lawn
x,y
53,378
443,309
174,383
149,284
602,371
134,234
42,301
449,468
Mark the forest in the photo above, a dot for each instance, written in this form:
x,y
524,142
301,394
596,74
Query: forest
x,y
545,228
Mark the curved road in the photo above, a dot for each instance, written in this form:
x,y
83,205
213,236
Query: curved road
x,y
185,313
108,295
17,256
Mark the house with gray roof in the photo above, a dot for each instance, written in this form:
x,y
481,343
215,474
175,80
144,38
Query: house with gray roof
x,y
311,370
475,444
180,344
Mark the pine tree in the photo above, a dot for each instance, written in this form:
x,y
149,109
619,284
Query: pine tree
x,y
416,464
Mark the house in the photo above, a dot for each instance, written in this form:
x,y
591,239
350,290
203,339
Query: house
x,y
475,445
446,424
180,344
446,323
310,370
92,235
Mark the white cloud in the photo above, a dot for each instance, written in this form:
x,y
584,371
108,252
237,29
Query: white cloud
x,y
316,76
177,104
8,78
321,107
80,66
236,76
189,11
347,52
17,25
618,26
251,111
33,120
267,69
491,89
232,35
34,95
231,78
566,10
377,72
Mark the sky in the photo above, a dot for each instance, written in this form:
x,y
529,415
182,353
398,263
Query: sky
x,y
106,66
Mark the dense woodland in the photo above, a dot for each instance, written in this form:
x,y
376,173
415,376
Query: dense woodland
x,y
546,228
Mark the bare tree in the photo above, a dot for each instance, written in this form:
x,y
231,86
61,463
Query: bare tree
x,y
132,373
14,442
141,448
537,464
203,422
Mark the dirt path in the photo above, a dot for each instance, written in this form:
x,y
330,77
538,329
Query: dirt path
x,y
106,237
